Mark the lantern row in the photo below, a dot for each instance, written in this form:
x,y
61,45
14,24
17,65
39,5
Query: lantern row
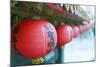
x,y
36,38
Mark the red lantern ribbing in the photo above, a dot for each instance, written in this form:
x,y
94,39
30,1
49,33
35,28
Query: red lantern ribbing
x,y
75,30
64,34
34,38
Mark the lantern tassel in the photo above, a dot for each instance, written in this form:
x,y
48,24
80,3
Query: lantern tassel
x,y
37,60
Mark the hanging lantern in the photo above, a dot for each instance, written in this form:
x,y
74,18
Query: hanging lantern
x,y
80,28
85,27
64,34
34,38
75,30
89,25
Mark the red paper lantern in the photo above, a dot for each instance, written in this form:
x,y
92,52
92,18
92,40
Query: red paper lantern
x,y
35,38
85,27
64,34
89,25
75,30
81,29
